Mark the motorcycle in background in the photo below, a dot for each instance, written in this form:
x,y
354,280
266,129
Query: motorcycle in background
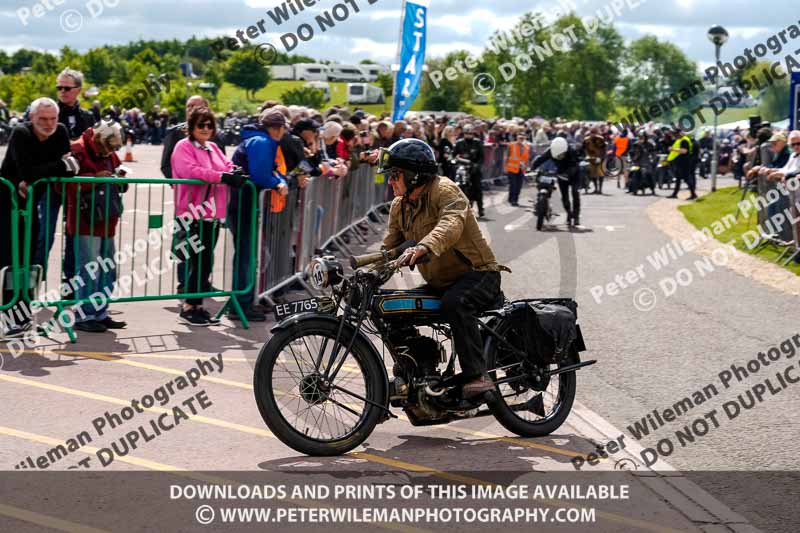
x,y
546,178
463,174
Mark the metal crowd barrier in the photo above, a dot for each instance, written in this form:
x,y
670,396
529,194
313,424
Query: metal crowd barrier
x,y
146,228
328,214
792,251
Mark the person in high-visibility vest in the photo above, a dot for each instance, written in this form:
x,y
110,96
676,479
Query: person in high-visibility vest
x,y
516,164
680,159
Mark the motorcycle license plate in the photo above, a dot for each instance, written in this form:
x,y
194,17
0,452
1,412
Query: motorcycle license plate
x,y
284,311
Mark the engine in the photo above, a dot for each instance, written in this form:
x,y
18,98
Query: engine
x,y
417,357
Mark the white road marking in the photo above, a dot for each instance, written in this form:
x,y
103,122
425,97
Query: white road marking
x,y
521,222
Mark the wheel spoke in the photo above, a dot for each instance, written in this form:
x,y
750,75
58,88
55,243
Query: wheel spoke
x,y
313,408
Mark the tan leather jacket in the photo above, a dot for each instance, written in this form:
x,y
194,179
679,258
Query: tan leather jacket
x,y
441,220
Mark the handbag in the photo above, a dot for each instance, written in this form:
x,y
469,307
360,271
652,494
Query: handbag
x,y
102,203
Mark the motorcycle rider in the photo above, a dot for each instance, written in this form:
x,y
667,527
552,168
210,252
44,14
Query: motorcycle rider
x,y
471,148
706,144
566,160
433,211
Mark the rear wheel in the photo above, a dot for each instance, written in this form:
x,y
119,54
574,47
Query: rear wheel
x,y
302,409
524,406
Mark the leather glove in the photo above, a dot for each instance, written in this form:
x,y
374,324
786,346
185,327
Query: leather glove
x,y
232,179
71,164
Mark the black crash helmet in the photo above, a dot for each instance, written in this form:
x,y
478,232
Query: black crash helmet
x,y
414,157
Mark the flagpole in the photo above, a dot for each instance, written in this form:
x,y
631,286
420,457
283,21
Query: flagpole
x,y
399,51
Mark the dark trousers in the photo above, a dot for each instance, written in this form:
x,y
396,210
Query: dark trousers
x,y
573,209
687,176
514,186
201,263
48,211
473,293
476,193
6,257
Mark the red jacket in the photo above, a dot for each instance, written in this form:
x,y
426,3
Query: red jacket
x,y
85,152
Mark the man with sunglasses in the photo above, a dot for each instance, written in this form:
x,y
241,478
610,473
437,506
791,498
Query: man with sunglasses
x,y
70,113
432,211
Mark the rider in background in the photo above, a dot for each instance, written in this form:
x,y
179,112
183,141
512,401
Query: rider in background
x,y
566,160
595,148
471,148
433,211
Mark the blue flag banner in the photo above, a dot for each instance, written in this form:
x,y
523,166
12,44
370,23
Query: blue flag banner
x,y
794,98
412,56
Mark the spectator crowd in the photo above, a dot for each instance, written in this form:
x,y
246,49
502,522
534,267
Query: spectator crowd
x,y
280,150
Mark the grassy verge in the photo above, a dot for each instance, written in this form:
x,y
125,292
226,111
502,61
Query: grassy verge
x,y
714,206
231,97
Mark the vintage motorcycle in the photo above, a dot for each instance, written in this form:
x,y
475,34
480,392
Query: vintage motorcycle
x,y
321,385
463,174
546,179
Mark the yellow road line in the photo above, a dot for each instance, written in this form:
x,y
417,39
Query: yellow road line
x,y
152,465
411,467
96,355
117,401
248,386
46,521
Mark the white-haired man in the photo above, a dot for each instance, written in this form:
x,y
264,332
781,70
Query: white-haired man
x,y
37,149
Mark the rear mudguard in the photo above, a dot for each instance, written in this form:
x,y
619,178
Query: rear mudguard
x,y
298,322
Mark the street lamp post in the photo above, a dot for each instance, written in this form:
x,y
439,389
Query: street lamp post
x,y
719,36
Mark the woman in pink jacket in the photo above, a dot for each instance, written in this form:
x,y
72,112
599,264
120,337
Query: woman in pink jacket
x,y
196,157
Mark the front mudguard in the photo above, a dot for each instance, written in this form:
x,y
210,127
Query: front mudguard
x,y
298,321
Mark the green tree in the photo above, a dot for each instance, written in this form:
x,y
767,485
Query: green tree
x,y
775,101
215,73
246,72
653,71
98,66
386,82
450,95
45,64
556,71
20,59
70,58
305,96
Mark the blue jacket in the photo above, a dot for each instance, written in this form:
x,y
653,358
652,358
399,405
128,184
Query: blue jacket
x,y
262,152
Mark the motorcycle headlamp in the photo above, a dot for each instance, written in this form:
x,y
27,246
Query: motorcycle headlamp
x,y
324,272
383,161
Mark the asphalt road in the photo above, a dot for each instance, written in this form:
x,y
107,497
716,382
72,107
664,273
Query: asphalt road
x,y
646,360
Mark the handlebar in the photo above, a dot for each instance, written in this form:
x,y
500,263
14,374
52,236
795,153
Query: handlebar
x,y
358,261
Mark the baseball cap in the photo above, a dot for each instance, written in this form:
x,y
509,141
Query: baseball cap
x,y
273,118
777,137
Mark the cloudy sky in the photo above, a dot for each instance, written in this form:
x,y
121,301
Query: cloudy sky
x,y
372,32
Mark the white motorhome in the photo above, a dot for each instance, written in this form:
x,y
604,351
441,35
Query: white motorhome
x,y
347,73
282,72
371,70
322,86
364,93
311,72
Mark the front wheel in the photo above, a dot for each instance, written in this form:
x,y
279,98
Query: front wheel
x,y
523,406
307,412
541,212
